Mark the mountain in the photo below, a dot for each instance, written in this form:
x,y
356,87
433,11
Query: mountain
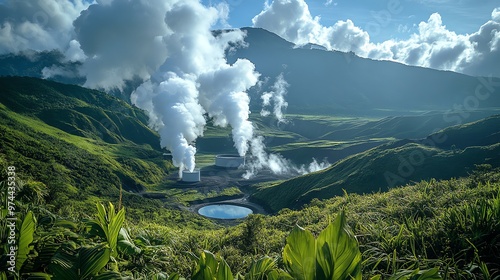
x,y
77,141
452,152
320,81
32,64
332,82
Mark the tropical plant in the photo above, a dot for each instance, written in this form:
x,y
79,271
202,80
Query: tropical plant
x,y
108,225
210,267
333,255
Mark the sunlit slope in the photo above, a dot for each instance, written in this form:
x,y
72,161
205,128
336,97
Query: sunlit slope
x,y
393,164
77,141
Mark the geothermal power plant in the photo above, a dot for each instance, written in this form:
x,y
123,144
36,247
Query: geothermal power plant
x,y
221,161
229,161
191,176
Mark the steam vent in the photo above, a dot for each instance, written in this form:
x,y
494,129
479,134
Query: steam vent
x,y
191,177
229,161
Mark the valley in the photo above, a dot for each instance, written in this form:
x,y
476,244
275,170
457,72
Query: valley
x,y
393,171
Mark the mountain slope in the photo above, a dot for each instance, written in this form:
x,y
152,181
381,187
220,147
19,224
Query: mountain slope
x,y
393,164
343,83
77,141
326,82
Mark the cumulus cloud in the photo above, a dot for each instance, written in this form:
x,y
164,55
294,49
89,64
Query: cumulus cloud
x,y
37,25
433,45
122,41
291,20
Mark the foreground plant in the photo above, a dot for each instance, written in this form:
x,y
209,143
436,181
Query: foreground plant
x,y
333,255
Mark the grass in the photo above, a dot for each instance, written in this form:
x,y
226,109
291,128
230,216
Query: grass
x,y
451,225
374,170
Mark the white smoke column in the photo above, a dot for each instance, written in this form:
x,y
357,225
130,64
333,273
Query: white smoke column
x,y
223,95
196,79
175,113
261,160
277,98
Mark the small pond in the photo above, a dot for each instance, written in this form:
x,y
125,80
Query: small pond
x,y
225,211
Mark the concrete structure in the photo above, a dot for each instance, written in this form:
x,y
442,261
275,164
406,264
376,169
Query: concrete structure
x,y
229,161
191,177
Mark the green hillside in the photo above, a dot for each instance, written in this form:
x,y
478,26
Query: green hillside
x,y
81,143
451,153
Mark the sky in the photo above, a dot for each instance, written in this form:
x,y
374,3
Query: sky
x,y
454,35
460,16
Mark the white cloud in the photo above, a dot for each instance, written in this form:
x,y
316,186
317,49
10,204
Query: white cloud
x,y
38,25
432,45
291,20
122,40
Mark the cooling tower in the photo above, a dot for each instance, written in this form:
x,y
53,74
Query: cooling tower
x,y
229,161
188,176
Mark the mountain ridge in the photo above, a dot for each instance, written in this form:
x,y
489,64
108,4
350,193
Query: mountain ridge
x,y
333,82
441,155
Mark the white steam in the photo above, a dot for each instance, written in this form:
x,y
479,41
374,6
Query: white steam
x,y
175,113
196,80
277,98
168,48
276,163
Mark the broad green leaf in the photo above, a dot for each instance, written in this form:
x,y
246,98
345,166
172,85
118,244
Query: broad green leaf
x,y
101,214
108,275
25,239
262,268
337,254
115,224
62,265
92,259
94,228
210,261
36,276
299,254
223,271
110,224
203,270
111,212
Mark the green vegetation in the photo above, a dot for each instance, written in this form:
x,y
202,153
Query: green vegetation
x,y
75,148
430,230
391,165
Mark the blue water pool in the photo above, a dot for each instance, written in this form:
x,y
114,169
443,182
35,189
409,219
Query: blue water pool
x,y
225,211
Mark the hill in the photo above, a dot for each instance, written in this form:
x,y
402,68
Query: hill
x,y
450,153
332,82
81,143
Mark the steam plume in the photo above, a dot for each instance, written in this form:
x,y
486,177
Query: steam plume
x,y
277,98
196,80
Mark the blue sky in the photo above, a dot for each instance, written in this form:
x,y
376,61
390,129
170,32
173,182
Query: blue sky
x,y
458,35
460,16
